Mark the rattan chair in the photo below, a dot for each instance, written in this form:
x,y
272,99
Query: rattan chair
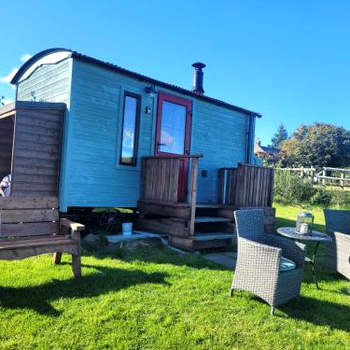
x,y
337,254
259,258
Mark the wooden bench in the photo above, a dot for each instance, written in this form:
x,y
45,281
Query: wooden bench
x,y
31,226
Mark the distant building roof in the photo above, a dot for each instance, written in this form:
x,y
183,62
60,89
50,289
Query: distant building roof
x,y
124,71
265,149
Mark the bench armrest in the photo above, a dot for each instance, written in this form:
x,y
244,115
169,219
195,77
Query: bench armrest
x,y
73,226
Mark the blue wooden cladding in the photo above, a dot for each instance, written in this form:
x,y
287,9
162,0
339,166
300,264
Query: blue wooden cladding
x,y
91,174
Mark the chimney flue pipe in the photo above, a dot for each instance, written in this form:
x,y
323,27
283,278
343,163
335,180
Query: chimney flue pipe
x,y
198,78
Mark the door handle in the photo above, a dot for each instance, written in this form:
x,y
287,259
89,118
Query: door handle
x,y
160,144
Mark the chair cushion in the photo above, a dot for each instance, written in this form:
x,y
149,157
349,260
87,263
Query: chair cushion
x,y
286,264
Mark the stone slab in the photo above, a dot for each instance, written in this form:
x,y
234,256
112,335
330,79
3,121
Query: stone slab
x,y
227,259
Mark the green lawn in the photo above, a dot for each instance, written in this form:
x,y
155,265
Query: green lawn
x,y
155,299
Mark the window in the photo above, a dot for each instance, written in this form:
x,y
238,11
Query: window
x,y
130,129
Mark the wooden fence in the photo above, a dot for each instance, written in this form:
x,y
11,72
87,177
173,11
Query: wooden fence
x,y
326,176
32,147
246,186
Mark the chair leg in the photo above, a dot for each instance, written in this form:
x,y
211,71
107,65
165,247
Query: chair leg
x,y
56,258
231,292
272,311
76,265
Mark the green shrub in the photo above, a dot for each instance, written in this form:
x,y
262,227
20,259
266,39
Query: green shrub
x,y
290,188
321,197
340,198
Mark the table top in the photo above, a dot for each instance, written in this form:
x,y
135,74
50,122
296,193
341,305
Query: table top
x,y
315,236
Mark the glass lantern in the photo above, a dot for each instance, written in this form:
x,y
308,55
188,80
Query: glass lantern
x,y
305,221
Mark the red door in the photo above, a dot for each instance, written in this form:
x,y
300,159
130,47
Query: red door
x,y
173,133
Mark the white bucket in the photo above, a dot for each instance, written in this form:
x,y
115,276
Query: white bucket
x,y
127,228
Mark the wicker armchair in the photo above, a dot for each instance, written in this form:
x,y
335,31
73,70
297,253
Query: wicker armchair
x,y
258,261
337,254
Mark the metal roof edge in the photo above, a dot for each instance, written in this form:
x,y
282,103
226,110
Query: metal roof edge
x,y
34,59
142,77
130,73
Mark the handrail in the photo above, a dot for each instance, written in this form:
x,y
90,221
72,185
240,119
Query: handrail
x,y
185,156
337,169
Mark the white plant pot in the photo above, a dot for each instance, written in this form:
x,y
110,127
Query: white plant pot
x,y
127,228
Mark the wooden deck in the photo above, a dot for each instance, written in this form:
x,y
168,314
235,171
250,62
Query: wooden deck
x,y
191,225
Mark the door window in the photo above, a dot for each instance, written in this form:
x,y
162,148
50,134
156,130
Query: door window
x,y
173,128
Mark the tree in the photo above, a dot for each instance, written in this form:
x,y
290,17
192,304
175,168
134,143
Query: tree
x,y
280,136
317,145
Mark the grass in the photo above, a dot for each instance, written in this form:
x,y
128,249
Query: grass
x,y
155,299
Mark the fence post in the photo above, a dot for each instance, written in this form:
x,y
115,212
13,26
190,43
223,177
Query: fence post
x,y
312,172
342,175
324,180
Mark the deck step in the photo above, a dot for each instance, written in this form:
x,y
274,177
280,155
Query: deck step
x,y
214,206
207,219
212,235
202,241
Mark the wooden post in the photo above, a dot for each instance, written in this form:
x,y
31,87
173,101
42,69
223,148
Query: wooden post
x,y
194,179
56,258
313,176
76,258
342,175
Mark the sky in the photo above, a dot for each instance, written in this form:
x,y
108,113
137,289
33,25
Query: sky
x,y
288,60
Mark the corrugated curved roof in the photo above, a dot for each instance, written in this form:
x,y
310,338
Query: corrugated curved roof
x,y
130,73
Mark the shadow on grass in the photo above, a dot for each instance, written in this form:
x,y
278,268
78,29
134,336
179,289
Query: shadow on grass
x,y
319,312
106,279
164,255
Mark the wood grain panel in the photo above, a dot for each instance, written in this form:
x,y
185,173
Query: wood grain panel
x,y
160,179
37,150
28,215
29,229
6,140
246,186
34,188
28,203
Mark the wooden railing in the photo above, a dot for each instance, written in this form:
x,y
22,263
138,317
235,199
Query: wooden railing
x,y
246,186
333,177
160,178
326,176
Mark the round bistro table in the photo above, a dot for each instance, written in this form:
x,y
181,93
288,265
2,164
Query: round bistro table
x,y
314,237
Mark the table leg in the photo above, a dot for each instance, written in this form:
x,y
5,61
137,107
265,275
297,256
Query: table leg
x,y
313,263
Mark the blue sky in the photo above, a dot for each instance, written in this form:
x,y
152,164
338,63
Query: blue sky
x,y
288,60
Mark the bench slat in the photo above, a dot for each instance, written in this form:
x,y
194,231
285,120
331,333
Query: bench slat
x,y
47,241
28,215
29,229
28,203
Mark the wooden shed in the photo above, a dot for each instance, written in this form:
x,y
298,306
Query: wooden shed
x,y
30,145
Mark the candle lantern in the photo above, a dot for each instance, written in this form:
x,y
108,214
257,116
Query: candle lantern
x,y
305,221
